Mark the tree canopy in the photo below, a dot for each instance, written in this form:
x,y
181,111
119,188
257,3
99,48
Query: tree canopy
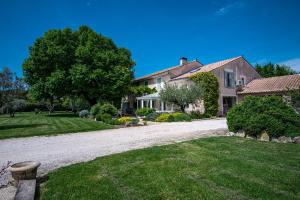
x,y
79,63
181,96
271,70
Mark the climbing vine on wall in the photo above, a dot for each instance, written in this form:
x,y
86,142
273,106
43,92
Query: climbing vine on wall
x,y
210,87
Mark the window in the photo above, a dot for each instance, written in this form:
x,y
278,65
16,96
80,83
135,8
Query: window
x,y
243,81
158,83
229,79
146,83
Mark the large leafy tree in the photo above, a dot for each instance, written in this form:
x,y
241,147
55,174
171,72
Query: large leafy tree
x,y
182,95
77,64
271,70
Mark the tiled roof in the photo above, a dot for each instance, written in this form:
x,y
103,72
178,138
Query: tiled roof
x,y
273,84
195,62
208,67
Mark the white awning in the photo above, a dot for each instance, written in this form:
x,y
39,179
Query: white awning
x,y
149,96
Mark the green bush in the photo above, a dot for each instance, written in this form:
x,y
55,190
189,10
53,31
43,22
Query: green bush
x,y
104,117
95,109
208,82
180,117
124,120
165,117
109,109
197,115
144,111
103,108
152,116
257,114
113,122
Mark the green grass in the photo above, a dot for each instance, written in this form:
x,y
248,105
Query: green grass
x,y
30,124
212,168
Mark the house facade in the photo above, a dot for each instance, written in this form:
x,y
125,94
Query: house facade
x,y
231,74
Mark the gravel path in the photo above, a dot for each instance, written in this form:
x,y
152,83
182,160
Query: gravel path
x,y
57,151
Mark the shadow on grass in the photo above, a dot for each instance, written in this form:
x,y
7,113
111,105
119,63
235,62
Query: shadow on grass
x,y
13,126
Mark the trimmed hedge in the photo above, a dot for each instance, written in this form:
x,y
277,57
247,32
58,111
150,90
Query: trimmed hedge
x,y
270,113
144,111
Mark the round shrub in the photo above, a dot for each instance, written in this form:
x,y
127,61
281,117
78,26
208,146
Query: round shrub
x,y
144,111
103,108
181,117
109,109
165,117
257,114
152,116
95,109
84,113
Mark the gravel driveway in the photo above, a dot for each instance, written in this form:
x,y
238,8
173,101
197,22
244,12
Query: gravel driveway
x,y
57,151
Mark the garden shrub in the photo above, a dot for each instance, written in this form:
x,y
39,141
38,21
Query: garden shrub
x,y
104,117
270,113
135,121
197,115
95,109
109,109
144,111
165,117
103,108
124,120
152,116
208,82
180,117
84,113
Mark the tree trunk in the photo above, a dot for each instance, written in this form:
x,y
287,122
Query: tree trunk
x,y
50,106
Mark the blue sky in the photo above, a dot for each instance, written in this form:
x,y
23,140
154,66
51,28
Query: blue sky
x,y
159,32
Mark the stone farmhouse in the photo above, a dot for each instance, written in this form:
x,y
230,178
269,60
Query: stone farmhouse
x,y
236,76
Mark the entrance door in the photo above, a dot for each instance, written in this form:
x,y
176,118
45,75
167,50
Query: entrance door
x,y
228,102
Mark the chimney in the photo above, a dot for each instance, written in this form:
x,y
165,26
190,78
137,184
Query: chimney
x,y
183,61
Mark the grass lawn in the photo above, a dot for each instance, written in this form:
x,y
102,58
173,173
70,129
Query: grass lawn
x,y
212,168
30,124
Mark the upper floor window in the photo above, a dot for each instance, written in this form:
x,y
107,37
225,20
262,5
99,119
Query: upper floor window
x,y
243,82
158,83
229,79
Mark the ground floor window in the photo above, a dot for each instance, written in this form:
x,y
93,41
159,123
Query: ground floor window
x,y
228,102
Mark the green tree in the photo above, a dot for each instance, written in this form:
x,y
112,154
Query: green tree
x,y
181,96
141,90
63,63
210,86
271,70
12,91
